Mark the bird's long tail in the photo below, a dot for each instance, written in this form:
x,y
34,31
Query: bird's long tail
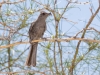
x,y
31,60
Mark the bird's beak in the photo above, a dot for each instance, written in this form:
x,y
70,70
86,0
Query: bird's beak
x,y
49,13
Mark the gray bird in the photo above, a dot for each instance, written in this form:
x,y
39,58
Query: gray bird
x,y
36,31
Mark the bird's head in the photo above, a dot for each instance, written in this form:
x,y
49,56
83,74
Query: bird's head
x,y
44,15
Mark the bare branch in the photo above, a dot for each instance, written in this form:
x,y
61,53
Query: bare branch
x,y
78,45
52,40
26,71
6,2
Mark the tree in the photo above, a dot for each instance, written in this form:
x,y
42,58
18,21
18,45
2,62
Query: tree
x,y
71,44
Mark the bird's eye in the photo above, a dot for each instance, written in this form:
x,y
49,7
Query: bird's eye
x,y
43,13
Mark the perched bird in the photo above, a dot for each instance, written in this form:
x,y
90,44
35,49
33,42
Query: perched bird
x,y
36,31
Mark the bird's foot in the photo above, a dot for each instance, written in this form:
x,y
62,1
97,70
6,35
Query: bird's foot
x,y
45,39
30,42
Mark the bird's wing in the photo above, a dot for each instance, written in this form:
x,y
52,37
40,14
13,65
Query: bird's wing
x,y
31,31
33,23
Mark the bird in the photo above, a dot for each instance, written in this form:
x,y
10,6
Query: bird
x,y
36,31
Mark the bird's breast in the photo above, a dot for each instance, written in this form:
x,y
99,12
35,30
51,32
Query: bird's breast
x,y
40,30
